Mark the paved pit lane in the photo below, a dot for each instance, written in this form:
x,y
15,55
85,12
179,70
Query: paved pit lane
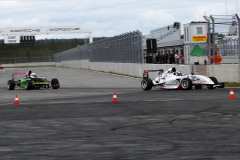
x,y
79,121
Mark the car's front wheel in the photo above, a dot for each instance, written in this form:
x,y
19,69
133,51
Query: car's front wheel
x,y
55,83
186,84
215,82
28,85
146,84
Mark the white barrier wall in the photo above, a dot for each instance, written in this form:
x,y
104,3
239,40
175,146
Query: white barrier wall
x,y
129,69
224,73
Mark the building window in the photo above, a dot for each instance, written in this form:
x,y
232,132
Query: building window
x,y
199,30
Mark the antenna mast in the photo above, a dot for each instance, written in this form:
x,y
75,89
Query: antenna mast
x,y
236,6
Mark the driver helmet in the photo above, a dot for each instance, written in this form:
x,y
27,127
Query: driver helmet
x,y
33,75
173,69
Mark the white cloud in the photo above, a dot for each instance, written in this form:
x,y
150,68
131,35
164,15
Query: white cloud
x,y
108,17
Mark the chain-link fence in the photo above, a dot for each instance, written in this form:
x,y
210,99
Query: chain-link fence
x,y
125,48
223,38
228,47
26,59
224,35
71,54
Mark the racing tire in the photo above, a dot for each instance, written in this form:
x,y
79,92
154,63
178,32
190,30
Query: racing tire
x,y
146,84
55,83
37,87
215,82
198,86
186,84
28,85
11,85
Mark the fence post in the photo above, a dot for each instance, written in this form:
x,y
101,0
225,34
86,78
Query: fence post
x,y
213,38
238,38
209,42
141,46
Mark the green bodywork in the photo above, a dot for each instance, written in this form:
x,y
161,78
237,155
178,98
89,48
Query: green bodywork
x,y
23,83
31,82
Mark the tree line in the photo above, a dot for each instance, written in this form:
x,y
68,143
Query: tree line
x,y
46,47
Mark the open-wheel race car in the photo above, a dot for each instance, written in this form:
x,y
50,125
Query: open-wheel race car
x,y
172,79
31,81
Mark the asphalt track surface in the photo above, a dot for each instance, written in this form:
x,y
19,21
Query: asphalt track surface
x,y
79,120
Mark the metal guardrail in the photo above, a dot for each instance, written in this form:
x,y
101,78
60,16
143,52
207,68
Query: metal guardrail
x,y
125,48
26,59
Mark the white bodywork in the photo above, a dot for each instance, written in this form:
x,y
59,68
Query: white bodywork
x,y
172,80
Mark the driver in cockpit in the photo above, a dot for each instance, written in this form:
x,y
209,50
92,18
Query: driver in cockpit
x,y
171,70
33,75
174,71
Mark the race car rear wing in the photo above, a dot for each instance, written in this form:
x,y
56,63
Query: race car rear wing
x,y
18,73
145,73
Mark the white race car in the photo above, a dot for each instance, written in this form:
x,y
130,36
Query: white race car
x,y
172,79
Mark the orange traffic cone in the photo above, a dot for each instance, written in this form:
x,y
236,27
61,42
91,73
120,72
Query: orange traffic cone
x,y
231,94
16,100
114,98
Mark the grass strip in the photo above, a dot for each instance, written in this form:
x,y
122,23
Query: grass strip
x,y
231,84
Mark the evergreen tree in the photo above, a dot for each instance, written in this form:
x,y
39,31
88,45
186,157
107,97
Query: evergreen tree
x,y
41,48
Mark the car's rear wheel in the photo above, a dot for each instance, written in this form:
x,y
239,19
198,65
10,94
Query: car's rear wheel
x,y
28,85
11,85
186,84
146,84
55,83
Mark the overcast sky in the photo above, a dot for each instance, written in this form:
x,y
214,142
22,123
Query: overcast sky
x,y
109,17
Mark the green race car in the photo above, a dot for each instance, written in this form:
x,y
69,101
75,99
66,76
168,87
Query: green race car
x,y
31,81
